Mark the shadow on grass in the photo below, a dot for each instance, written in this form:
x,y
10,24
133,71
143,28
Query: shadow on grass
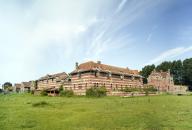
x,y
28,124
40,104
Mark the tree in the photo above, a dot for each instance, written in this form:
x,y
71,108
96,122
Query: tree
x,y
164,66
187,71
7,86
177,72
146,71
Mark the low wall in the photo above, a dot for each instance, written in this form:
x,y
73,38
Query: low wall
x,y
130,94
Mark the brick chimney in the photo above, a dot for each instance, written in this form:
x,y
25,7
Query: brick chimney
x,y
98,62
76,65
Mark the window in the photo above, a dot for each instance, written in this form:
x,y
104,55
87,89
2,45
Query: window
x,y
79,75
122,77
109,75
80,87
96,74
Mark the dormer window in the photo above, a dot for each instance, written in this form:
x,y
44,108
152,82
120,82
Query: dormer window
x,y
97,72
109,75
122,77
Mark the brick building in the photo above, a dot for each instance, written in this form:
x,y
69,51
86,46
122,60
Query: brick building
x,y
51,83
24,86
91,74
163,81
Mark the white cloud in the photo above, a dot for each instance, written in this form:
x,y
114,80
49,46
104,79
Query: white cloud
x,y
119,8
172,53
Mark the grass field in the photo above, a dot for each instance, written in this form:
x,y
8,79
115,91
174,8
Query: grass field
x,y
25,111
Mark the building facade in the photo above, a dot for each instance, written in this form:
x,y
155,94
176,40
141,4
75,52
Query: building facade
x,y
162,81
51,83
24,86
17,87
89,74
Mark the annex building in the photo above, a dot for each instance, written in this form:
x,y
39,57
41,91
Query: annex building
x,y
162,81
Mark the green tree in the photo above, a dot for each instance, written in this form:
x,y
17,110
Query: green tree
x,y
177,72
187,71
164,66
146,71
7,86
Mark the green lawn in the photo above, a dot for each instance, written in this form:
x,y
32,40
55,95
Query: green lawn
x,y
25,111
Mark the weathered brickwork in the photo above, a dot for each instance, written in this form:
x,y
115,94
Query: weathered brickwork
x,y
163,81
51,81
91,74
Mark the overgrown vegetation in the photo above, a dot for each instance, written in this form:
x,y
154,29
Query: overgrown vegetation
x,y
32,92
65,93
136,89
130,89
43,93
96,92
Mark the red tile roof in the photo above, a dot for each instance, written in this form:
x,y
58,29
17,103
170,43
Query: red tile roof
x,y
105,68
61,76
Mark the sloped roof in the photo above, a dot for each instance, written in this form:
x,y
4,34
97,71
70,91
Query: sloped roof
x,y
104,68
26,84
61,76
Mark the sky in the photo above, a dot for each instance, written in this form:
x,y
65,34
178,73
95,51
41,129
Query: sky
x,y
39,37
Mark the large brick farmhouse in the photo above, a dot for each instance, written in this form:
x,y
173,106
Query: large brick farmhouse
x,y
91,74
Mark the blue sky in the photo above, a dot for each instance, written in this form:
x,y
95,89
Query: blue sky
x,y
39,37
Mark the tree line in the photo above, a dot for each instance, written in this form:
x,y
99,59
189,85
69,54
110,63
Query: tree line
x,y
181,71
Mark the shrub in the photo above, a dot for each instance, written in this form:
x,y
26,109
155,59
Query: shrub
x,y
91,92
44,93
96,92
61,88
66,93
126,89
150,89
32,92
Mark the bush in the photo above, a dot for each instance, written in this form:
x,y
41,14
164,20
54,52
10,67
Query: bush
x,y
44,93
96,92
126,89
150,89
66,93
32,92
61,88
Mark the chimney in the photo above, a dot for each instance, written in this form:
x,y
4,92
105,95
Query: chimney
x,y
98,62
76,65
